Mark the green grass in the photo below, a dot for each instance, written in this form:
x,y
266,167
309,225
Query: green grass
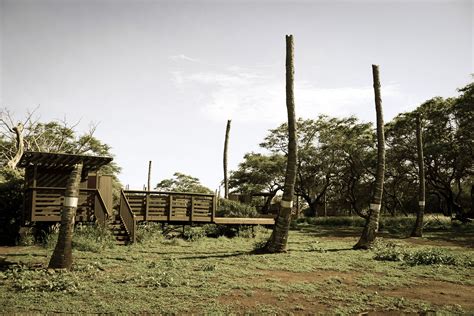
x,y
319,273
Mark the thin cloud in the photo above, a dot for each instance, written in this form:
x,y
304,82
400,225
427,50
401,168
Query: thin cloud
x,y
183,57
251,96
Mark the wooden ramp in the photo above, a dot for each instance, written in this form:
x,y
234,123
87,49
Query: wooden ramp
x,y
179,208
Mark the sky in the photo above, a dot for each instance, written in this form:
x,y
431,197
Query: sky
x,y
161,78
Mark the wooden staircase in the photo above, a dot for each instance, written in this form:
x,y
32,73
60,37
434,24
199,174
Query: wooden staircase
x,y
118,230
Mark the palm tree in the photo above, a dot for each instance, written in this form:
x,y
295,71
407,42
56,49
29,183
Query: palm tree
x,y
62,255
418,228
372,224
278,239
226,144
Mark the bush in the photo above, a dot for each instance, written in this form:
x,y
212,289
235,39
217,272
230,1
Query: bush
x,y
431,256
348,221
193,233
92,238
11,199
86,238
388,251
228,208
148,232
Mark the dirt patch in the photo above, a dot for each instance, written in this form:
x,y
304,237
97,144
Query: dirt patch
x,y
311,277
438,293
259,300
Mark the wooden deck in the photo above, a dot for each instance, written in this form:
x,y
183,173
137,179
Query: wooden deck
x,y
178,208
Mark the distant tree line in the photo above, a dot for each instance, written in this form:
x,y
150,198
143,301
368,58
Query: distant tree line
x,y
337,161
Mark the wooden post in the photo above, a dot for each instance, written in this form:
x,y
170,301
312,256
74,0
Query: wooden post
x,y
192,209
33,194
149,175
147,204
170,211
214,206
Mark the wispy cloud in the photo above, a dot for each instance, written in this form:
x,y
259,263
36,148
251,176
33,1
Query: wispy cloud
x,y
244,95
183,57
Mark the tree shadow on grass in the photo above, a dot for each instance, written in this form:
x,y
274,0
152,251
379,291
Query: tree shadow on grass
x,y
222,256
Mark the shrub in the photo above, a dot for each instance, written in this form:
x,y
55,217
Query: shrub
x,y
11,199
348,221
228,208
388,251
431,256
148,232
193,233
86,238
92,238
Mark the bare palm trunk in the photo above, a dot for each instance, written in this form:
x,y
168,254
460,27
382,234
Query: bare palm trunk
x,y
418,229
371,227
226,144
279,238
62,255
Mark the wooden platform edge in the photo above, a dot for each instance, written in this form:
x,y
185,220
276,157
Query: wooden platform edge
x,y
244,221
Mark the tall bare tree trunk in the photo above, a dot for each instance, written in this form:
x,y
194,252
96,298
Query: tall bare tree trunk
x,y
20,146
226,144
371,227
418,229
279,238
149,176
62,255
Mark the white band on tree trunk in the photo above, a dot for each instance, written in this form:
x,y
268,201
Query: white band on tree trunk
x,y
421,203
70,201
286,204
375,207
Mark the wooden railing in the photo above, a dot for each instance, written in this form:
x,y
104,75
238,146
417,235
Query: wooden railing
x,y
171,206
46,204
127,216
100,209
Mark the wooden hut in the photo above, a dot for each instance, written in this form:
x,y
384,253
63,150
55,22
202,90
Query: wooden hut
x,y
46,175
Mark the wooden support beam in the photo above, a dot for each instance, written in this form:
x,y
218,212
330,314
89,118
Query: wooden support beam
x,y
170,211
192,209
147,204
214,206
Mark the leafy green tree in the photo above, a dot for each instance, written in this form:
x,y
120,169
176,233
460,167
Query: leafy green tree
x,y
350,146
448,151
333,153
401,180
448,155
181,182
54,136
259,173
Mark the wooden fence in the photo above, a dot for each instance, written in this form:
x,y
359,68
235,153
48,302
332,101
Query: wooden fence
x,y
171,206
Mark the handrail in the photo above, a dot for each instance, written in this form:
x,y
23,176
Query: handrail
x,y
127,216
105,214
169,193
59,189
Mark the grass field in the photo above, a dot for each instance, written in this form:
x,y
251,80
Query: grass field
x,y
319,274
